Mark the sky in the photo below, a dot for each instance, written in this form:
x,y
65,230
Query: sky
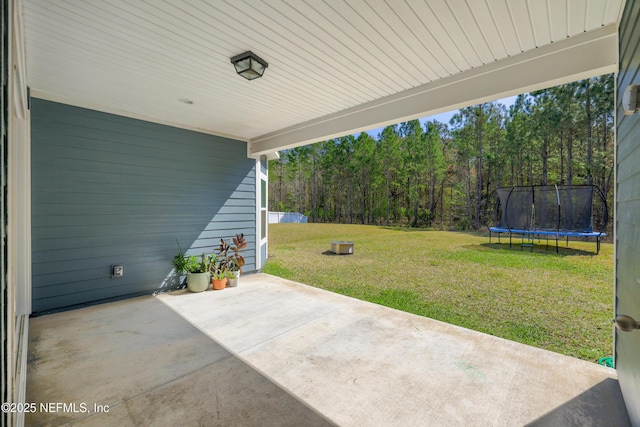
x,y
444,117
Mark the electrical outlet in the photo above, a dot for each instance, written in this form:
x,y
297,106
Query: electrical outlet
x,y
117,271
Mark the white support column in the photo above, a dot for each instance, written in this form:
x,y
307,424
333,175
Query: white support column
x,y
265,210
19,167
258,221
18,233
262,212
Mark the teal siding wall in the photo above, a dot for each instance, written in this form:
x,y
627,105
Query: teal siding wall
x,y
628,213
111,190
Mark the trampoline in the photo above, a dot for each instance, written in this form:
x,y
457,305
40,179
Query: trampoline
x,y
550,212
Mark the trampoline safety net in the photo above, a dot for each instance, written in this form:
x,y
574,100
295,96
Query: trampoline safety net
x,y
550,209
547,208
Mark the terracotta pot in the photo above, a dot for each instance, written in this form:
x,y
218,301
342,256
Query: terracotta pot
x,y
219,284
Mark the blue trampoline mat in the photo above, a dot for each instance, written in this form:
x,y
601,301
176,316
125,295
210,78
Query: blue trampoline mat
x,y
548,232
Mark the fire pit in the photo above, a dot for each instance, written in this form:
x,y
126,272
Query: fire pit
x,y
342,248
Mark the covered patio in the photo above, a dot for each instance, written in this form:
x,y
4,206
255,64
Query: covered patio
x,y
277,352
116,113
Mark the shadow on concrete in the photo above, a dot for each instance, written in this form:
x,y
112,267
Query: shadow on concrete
x,y
146,365
601,405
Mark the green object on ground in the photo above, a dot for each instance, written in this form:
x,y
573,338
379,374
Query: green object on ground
x,y
606,361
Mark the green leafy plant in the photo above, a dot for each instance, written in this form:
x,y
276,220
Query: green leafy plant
x,y
183,263
219,275
195,265
217,266
180,263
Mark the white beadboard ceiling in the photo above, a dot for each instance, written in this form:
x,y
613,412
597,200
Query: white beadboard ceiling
x,y
335,66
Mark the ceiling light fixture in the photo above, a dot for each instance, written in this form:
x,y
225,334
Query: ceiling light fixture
x,y
249,65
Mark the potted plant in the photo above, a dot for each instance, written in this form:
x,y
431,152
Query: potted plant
x,y
197,270
219,280
233,278
231,259
218,273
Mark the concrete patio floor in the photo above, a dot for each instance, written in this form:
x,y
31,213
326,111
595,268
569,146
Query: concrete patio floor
x,y
276,352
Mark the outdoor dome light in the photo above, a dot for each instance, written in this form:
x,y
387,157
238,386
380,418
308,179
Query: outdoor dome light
x,y
249,65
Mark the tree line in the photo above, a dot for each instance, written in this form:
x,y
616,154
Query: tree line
x,y
444,174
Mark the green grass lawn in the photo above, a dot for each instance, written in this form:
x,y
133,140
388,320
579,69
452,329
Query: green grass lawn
x,y
560,302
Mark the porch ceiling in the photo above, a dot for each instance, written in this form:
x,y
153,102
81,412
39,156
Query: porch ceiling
x,y
335,67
